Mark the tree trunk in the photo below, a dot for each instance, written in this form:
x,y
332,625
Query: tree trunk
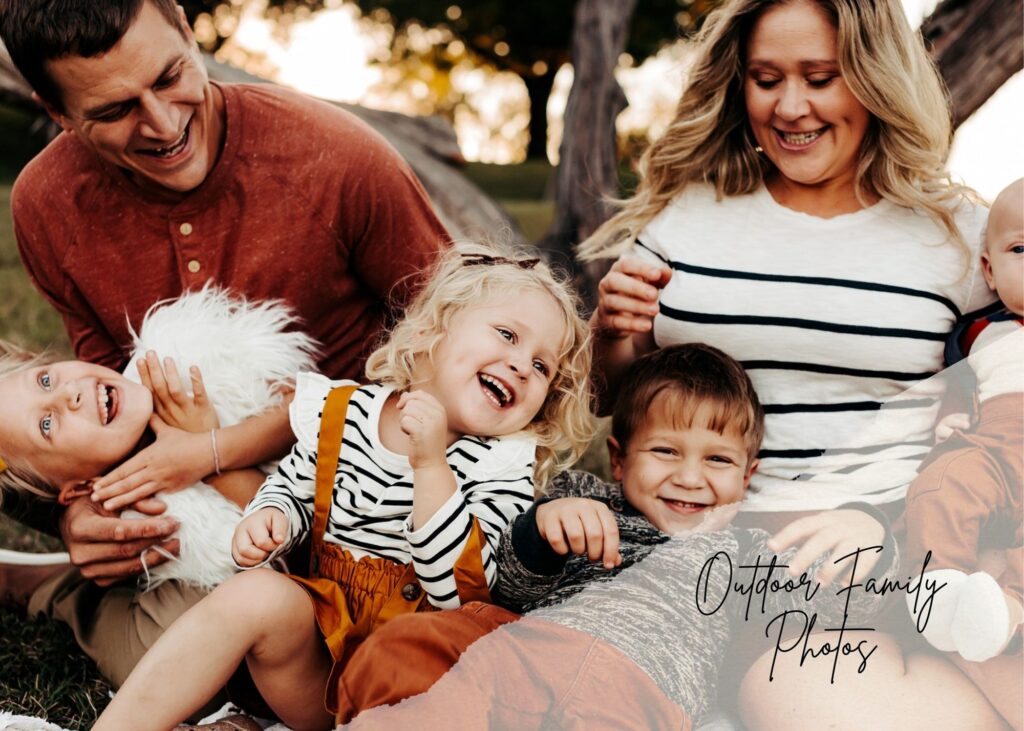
x,y
588,158
978,46
539,89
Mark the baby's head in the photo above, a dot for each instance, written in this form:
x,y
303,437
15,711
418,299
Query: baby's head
x,y
62,424
497,338
686,429
1002,259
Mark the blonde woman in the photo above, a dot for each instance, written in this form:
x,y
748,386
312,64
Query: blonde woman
x,y
797,214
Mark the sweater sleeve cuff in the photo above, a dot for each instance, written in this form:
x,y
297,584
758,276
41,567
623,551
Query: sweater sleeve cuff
x,y
533,552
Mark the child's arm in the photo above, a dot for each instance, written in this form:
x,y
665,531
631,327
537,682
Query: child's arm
x,y
453,550
175,407
258,537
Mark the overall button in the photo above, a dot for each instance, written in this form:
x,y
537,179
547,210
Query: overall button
x,y
194,266
185,228
411,592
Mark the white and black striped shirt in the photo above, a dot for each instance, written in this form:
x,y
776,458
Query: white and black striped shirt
x,y
840,323
372,502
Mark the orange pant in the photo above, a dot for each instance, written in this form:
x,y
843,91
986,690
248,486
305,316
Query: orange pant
x,y
526,674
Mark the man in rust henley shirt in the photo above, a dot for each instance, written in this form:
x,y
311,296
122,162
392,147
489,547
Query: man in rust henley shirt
x,y
161,182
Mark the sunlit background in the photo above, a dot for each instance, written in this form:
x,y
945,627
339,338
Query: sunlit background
x,y
337,53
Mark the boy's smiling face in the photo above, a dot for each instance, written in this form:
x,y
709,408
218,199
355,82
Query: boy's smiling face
x,y
674,472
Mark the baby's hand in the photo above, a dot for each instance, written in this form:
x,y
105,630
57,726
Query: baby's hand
x,y
258,536
171,402
582,526
840,531
950,423
423,419
627,299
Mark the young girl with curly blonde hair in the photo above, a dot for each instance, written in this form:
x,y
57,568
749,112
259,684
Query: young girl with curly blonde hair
x,y
404,486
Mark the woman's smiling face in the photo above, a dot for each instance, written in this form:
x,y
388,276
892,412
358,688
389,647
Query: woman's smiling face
x,y
71,421
799,107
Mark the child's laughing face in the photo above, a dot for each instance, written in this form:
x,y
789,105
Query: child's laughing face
x,y
675,473
71,421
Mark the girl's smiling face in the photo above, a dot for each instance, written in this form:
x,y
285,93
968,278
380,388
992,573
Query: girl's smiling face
x,y
71,421
494,367
799,107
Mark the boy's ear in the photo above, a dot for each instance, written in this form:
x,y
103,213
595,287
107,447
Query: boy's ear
x,y
615,455
986,269
74,489
52,111
751,469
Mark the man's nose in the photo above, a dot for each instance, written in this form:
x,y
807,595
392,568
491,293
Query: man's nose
x,y
159,118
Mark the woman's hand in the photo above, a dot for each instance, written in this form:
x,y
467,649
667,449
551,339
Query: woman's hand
x,y
840,531
422,418
580,525
171,402
176,460
951,423
258,536
627,299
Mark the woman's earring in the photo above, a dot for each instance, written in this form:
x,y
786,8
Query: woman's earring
x,y
758,149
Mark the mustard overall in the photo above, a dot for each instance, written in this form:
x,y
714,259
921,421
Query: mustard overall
x,y
352,598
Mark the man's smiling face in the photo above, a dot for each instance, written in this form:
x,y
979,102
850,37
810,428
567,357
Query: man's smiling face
x,y
146,105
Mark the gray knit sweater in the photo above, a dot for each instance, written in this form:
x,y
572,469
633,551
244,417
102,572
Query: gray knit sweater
x,y
648,606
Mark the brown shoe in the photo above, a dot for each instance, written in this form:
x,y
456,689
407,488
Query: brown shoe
x,y
22,573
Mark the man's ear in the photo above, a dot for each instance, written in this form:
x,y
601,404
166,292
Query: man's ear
x,y
185,27
986,269
751,469
616,454
74,489
52,111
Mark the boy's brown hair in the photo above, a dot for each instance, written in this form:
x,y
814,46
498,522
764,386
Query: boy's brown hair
x,y
697,375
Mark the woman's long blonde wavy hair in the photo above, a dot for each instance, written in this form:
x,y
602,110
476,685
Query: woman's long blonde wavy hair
x,y
469,275
884,64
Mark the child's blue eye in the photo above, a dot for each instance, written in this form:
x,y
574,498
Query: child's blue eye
x,y
719,458
45,424
44,381
541,367
507,334
1018,249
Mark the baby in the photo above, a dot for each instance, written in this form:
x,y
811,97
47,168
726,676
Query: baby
x,y
970,488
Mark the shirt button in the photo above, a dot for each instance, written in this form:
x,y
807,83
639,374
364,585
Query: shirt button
x,y
185,228
411,592
194,266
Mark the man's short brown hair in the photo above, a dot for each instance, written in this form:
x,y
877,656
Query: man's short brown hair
x,y
696,376
38,31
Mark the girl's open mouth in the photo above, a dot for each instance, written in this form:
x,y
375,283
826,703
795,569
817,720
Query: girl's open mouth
x,y
109,401
496,390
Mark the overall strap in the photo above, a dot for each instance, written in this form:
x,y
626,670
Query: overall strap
x,y
328,452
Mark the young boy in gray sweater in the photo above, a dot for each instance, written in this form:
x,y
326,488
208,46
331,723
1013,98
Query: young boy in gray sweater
x,y
633,589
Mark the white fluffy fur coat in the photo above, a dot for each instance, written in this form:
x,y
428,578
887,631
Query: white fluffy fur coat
x,y
245,356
